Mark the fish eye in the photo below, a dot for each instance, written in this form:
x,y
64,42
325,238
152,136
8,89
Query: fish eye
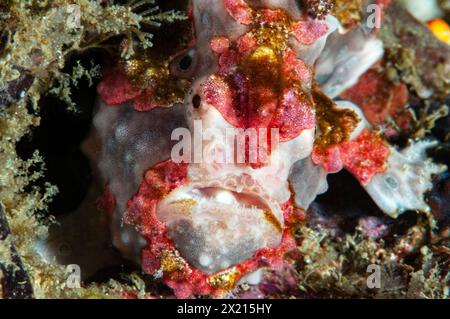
x,y
185,62
183,65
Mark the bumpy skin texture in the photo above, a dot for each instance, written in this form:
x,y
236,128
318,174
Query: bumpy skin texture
x,y
208,225
122,164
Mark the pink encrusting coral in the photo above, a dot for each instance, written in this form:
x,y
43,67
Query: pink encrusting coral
x,y
210,225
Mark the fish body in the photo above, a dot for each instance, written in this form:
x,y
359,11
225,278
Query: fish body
x,y
206,220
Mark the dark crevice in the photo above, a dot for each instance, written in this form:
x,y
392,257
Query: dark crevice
x,y
58,140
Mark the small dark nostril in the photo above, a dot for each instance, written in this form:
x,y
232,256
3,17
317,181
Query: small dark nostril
x,y
196,101
185,63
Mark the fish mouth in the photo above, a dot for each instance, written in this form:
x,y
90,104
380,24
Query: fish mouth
x,y
217,225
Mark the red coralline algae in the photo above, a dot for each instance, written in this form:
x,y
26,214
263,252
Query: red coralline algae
x,y
145,101
293,115
294,69
243,90
115,88
307,32
159,180
244,93
329,158
220,45
239,10
246,43
380,100
363,156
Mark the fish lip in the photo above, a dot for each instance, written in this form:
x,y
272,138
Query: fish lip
x,y
240,184
198,205
243,184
